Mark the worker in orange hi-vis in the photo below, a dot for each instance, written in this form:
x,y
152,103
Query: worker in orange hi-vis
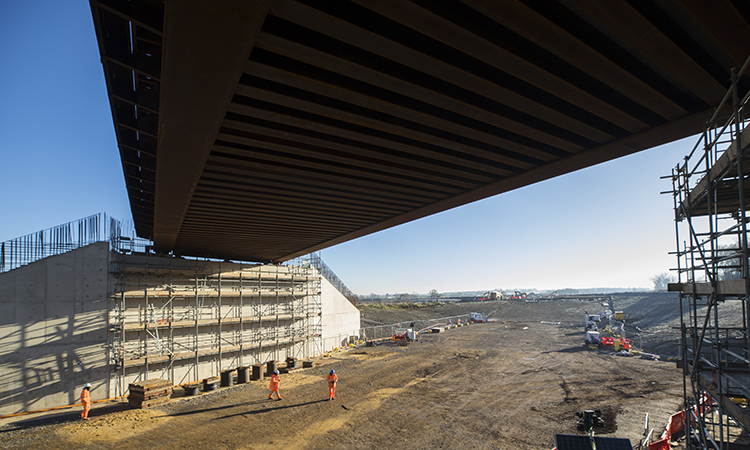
x,y
86,400
332,379
275,385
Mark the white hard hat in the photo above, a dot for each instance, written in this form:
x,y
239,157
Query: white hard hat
x,y
87,385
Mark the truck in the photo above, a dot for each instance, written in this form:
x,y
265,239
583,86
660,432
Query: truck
x,y
590,321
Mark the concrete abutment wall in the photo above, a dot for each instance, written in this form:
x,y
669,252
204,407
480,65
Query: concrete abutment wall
x,y
53,330
110,319
340,319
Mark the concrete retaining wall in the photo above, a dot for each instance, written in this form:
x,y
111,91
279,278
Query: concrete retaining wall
x,y
58,318
340,320
53,330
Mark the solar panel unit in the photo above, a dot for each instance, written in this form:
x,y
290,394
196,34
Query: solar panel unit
x,y
573,442
608,443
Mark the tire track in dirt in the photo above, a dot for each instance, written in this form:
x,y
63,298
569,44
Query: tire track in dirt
x,y
494,385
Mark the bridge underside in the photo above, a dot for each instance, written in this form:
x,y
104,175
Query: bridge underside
x,y
265,130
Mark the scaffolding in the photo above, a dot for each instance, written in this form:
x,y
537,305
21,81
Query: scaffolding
x,y
709,189
188,319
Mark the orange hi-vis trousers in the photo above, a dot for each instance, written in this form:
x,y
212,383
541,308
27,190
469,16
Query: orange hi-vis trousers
x,y
86,400
332,379
274,387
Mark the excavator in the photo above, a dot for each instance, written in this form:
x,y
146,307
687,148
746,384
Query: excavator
x,y
490,296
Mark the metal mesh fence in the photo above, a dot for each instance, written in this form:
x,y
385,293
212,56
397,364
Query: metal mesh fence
x,y
329,275
387,331
63,238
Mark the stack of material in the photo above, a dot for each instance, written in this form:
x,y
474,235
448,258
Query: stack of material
x,y
149,393
271,366
211,384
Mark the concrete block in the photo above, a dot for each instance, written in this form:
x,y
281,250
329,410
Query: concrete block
x,y
31,282
340,317
10,330
61,311
11,389
42,370
95,277
49,352
86,323
7,288
60,274
31,311
34,333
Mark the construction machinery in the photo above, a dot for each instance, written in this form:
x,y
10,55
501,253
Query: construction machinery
x,y
590,321
490,296
402,336
476,318
593,339
588,420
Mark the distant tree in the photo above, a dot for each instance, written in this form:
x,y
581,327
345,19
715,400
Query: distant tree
x,y
660,281
434,293
729,264
403,297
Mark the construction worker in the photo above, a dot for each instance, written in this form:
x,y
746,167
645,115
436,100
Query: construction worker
x,y
275,385
86,400
332,379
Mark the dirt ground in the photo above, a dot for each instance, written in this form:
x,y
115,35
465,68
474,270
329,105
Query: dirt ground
x,y
510,384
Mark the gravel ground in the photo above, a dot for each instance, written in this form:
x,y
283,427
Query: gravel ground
x,y
652,319
510,384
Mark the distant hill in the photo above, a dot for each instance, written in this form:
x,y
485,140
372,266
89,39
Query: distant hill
x,y
465,294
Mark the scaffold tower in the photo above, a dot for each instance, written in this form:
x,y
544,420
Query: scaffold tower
x,y
709,189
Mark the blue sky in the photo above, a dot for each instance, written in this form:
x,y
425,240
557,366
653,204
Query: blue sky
x,y
605,226
57,142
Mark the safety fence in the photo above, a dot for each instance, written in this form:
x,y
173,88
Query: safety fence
x,y
341,340
60,239
317,262
122,238
387,331
676,425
